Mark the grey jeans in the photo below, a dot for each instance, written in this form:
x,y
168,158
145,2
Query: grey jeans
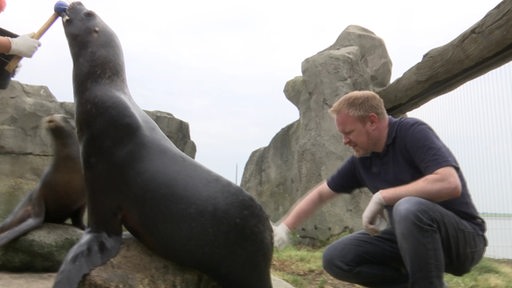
x,y
424,241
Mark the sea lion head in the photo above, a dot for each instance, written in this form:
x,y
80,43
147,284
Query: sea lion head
x,y
95,48
58,125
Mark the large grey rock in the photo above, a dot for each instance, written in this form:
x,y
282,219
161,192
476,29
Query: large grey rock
x,y
40,250
310,149
135,266
26,280
25,149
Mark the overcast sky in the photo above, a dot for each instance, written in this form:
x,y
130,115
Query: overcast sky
x,y
222,65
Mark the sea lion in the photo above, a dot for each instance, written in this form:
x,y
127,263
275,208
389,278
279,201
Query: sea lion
x,y
60,194
136,177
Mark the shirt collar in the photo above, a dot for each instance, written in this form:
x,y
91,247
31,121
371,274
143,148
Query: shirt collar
x,y
392,127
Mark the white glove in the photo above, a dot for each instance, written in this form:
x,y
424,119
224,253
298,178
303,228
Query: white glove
x,y
374,219
281,233
24,45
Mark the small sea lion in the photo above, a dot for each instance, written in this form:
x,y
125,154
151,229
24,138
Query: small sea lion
x,y
60,194
136,177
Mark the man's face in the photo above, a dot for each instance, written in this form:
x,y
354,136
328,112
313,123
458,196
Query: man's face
x,y
356,133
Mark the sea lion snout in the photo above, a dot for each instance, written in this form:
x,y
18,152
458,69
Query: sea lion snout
x,y
75,11
54,120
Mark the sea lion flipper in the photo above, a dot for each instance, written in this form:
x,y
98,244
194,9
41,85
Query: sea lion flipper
x,y
23,211
29,224
29,214
93,249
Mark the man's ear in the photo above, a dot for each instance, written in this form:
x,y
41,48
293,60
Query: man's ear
x,y
373,119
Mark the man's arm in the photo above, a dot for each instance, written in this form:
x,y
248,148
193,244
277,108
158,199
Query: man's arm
x,y
443,184
5,45
24,45
301,211
307,205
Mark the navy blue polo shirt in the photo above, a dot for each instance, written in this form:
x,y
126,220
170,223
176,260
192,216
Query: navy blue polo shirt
x,y
412,151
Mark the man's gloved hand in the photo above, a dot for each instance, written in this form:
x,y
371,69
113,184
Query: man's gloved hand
x,y
281,233
24,45
374,220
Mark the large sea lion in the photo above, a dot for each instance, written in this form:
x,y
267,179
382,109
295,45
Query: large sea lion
x,y
60,194
136,177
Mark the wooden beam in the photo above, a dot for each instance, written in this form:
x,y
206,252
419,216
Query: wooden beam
x,y
480,49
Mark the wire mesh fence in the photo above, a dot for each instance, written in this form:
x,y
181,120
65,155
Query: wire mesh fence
x,y
475,122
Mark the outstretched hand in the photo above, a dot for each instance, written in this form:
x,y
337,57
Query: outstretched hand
x,y
281,235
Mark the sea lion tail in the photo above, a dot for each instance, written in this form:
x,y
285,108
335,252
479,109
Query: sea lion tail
x,y
93,249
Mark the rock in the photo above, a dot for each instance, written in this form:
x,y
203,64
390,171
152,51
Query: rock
x,y
27,280
176,130
280,283
25,150
135,266
41,250
310,149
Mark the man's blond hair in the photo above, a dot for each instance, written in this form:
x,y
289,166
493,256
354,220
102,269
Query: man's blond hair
x,y
360,104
